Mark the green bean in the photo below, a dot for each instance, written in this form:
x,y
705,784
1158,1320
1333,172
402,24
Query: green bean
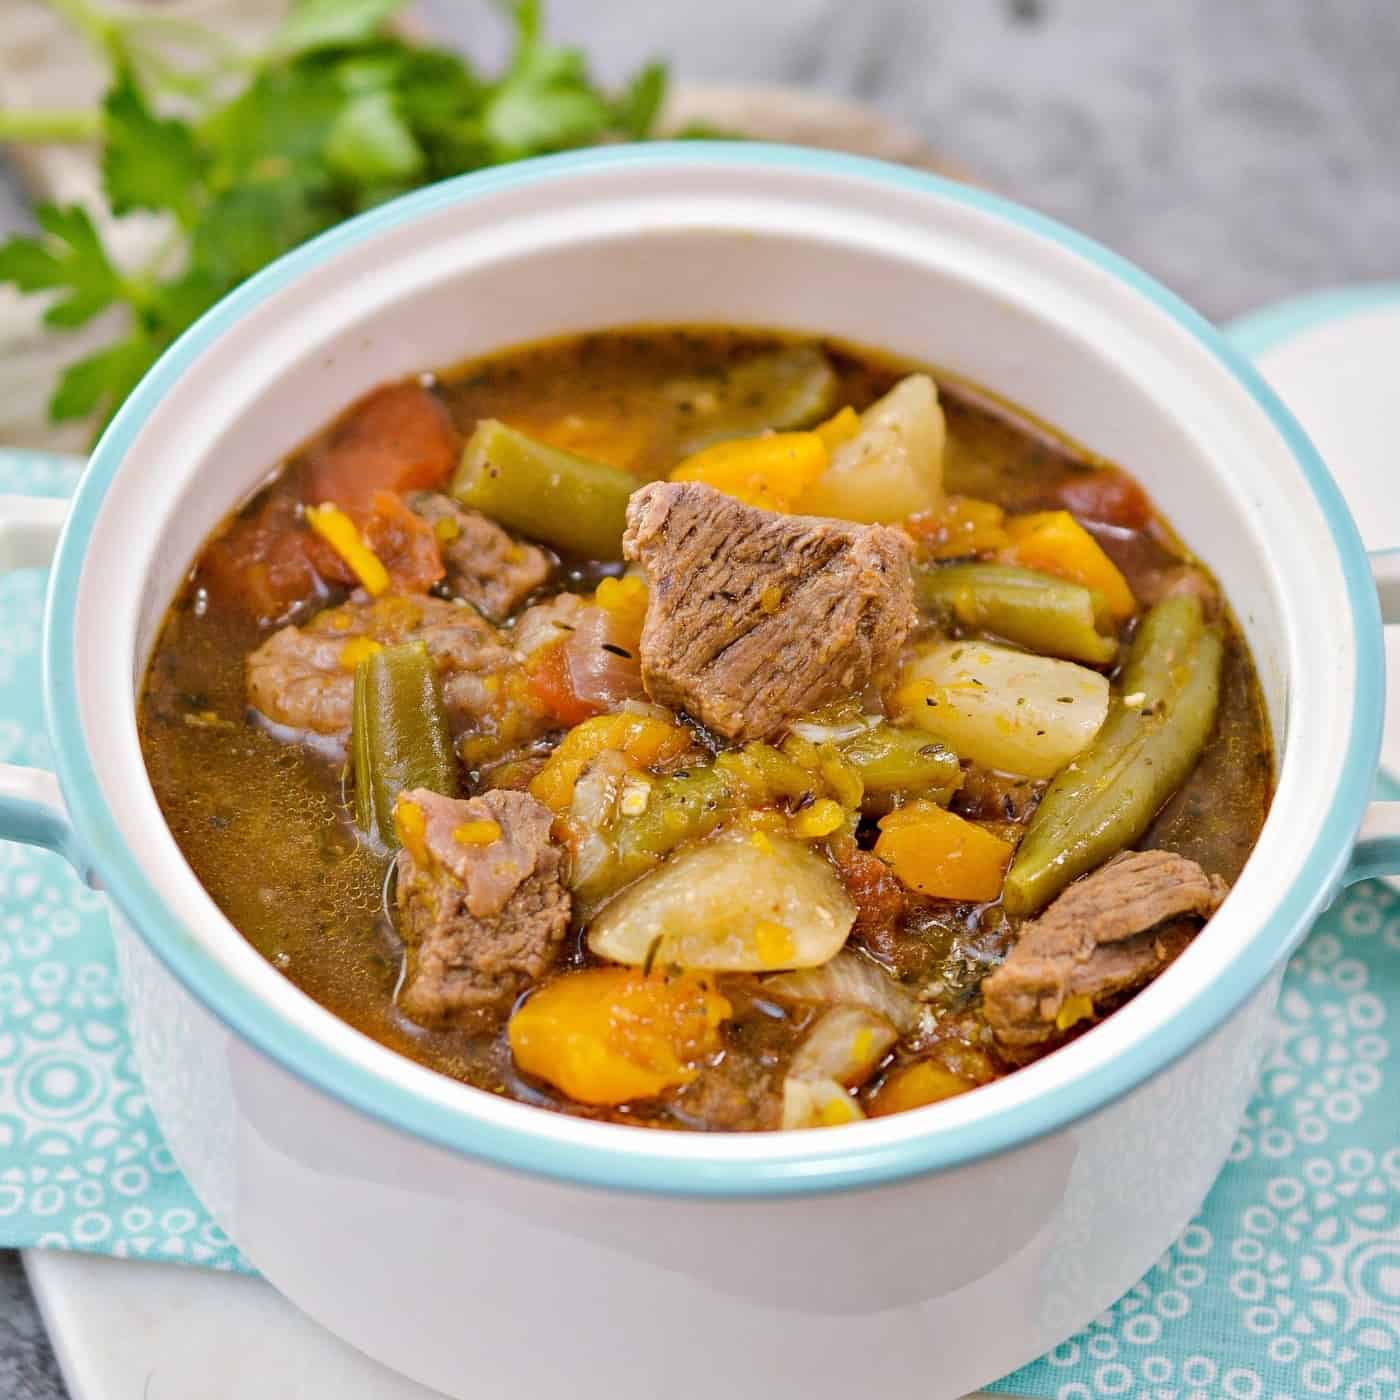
x,y
788,388
398,735
1148,745
575,504
1047,614
894,760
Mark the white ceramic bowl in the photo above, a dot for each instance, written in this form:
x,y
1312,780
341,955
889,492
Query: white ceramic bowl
x,y
477,1243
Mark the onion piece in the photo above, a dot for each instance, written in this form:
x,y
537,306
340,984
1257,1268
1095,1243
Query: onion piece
x,y
593,812
845,1045
835,733
602,655
817,1103
851,979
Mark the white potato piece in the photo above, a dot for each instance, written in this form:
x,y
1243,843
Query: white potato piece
x,y
845,1045
1004,709
817,1103
729,904
892,468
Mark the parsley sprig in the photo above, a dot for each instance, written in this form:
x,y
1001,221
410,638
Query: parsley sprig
x,y
249,154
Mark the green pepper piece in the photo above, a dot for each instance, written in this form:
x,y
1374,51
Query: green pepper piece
x,y
1033,609
895,760
570,502
399,737
1157,725
682,807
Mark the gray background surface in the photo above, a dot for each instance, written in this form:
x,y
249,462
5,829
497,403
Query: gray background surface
x,y
1240,150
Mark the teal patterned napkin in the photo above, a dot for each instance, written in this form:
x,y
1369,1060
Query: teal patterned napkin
x,y
1286,1285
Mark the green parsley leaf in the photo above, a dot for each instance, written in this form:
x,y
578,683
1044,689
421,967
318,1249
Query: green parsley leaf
x,y
545,103
322,24
333,116
69,258
148,162
370,141
277,127
105,379
636,110
246,227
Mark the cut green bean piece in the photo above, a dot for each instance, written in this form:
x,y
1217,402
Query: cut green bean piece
x,y
1035,610
895,760
1157,725
398,735
788,388
570,502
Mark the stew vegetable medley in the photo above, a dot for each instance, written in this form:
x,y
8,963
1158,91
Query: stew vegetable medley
x,y
708,730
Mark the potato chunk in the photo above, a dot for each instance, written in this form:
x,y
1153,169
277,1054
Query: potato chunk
x,y
733,903
1004,709
893,467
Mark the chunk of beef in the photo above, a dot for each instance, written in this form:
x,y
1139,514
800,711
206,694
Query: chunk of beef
x,y
299,677
485,566
483,915
731,1097
1107,933
756,618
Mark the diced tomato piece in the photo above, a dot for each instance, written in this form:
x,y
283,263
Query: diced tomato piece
x,y
1107,496
880,899
403,541
263,564
551,687
399,438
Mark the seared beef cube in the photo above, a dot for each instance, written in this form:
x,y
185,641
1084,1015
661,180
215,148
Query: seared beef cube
x,y
304,678
1106,934
756,618
482,903
486,567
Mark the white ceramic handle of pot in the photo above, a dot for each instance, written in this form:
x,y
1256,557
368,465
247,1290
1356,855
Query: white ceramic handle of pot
x,y
1377,850
31,805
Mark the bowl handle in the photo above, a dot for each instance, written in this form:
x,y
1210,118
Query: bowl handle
x,y
1377,851
31,805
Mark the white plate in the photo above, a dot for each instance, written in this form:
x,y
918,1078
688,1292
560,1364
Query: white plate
x,y
1334,359
162,1332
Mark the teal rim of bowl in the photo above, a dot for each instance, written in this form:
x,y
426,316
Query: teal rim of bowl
x,y
794,1163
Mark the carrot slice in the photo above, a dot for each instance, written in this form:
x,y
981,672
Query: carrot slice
x,y
399,438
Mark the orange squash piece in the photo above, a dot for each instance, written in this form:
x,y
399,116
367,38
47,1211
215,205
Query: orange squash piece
x,y
964,526
607,1035
939,854
770,472
1054,542
914,1086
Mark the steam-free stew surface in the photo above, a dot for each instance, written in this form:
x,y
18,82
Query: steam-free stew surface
x,y
265,819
